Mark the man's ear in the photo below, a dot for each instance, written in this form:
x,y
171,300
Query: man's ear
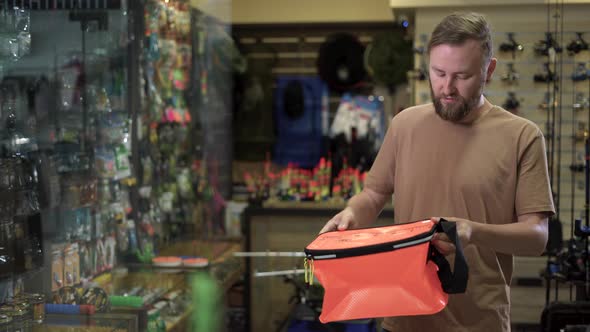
x,y
491,68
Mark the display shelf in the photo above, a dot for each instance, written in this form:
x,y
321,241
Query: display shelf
x,y
303,205
276,204
112,322
223,267
159,284
149,268
180,323
23,275
215,251
225,273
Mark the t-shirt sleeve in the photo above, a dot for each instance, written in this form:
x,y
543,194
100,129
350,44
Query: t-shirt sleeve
x,y
382,172
533,189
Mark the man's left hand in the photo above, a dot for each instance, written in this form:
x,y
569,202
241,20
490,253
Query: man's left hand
x,y
464,230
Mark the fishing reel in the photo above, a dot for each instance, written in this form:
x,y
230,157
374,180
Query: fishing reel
x,y
547,102
547,76
581,230
511,104
581,132
511,75
419,74
578,167
573,261
580,73
568,263
577,45
511,45
543,47
421,50
580,102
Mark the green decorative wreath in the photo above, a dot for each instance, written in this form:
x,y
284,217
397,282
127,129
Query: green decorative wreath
x,y
388,58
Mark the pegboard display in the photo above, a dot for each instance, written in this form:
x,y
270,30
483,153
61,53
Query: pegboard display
x,y
551,89
276,50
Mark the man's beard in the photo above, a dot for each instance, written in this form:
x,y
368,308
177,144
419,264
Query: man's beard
x,y
458,110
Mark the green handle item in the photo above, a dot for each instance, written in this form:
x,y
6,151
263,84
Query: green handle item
x,y
206,315
126,301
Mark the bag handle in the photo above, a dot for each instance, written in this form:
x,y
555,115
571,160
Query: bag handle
x,y
455,281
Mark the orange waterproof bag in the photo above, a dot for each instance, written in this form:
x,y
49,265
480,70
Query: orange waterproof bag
x,y
385,271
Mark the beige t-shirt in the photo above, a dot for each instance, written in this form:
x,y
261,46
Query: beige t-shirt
x,y
489,171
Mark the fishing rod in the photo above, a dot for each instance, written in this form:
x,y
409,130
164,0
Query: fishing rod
x,y
269,254
575,167
584,232
558,88
551,136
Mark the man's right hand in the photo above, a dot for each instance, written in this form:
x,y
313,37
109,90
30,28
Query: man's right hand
x,y
341,221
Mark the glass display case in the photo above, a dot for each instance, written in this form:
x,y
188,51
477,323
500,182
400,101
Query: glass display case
x,y
111,153
66,131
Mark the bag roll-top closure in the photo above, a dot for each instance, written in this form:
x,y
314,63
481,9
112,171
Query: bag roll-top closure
x,y
342,244
367,241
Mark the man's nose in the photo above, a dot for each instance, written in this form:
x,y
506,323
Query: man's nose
x,y
449,85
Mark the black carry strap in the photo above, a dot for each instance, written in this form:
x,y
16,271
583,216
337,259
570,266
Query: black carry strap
x,y
455,281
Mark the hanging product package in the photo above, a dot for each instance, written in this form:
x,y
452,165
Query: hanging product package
x,y
385,271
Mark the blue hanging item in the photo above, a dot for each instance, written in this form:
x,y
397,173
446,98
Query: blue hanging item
x,y
297,110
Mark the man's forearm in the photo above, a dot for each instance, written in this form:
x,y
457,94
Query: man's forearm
x,y
366,206
523,238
